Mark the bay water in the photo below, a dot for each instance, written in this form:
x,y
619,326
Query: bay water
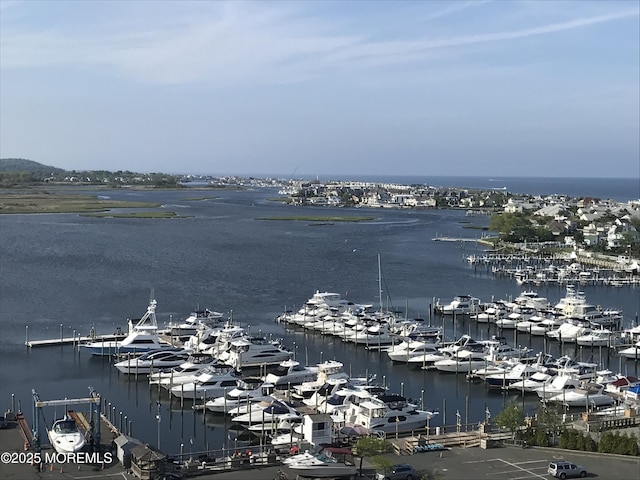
x,y
66,273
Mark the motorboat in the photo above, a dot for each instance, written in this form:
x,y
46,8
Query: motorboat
x,y
187,371
407,350
463,361
460,305
190,325
428,357
598,338
569,331
326,370
250,389
291,372
152,361
376,334
320,466
253,352
274,412
65,437
212,382
142,337
465,341
566,365
519,372
590,397
632,352
558,385
386,413
532,383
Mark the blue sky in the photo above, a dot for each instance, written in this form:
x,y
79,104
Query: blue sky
x,y
511,88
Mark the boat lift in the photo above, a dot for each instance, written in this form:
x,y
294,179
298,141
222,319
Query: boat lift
x,y
94,416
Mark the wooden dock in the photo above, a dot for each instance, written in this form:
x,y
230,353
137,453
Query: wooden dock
x,y
74,340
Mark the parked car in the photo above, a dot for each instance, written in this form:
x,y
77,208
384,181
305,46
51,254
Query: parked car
x,y
566,470
401,471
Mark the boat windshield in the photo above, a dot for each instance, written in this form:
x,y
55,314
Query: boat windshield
x,y
68,426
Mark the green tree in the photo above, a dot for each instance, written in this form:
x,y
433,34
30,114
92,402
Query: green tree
x,y
550,417
382,463
511,418
371,446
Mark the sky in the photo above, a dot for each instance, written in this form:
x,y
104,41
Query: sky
x,y
420,88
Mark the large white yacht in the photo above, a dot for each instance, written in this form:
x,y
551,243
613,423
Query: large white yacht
x,y
254,351
291,372
153,360
210,383
142,337
386,413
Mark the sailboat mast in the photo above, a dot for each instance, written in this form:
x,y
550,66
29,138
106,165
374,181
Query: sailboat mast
x,y
380,282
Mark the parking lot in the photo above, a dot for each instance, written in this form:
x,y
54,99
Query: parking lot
x,y
514,463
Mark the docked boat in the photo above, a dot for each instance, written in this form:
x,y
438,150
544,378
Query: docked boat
x,y
460,305
142,337
253,352
326,370
408,351
558,385
152,361
190,325
212,382
632,352
250,389
590,397
386,413
519,372
290,372
597,338
463,361
65,437
187,371
273,413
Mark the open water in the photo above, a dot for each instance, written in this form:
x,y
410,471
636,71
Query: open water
x,y
70,273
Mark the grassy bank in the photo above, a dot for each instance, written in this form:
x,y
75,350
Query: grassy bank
x,y
43,202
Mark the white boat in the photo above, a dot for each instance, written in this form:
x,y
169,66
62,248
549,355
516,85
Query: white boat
x,y
559,384
320,466
519,372
463,361
386,413
152,361
271,414
250,389
406,351
590,397
290,372
460,305
569,331
212,382
631,352
326,370
187,371
142,337
190,325
65,437
532,383
465,341
376,334
598,338
255,351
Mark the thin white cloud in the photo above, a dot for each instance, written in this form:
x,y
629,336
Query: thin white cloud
x,y
249,45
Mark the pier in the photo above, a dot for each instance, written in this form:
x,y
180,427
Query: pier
x,y
75,339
